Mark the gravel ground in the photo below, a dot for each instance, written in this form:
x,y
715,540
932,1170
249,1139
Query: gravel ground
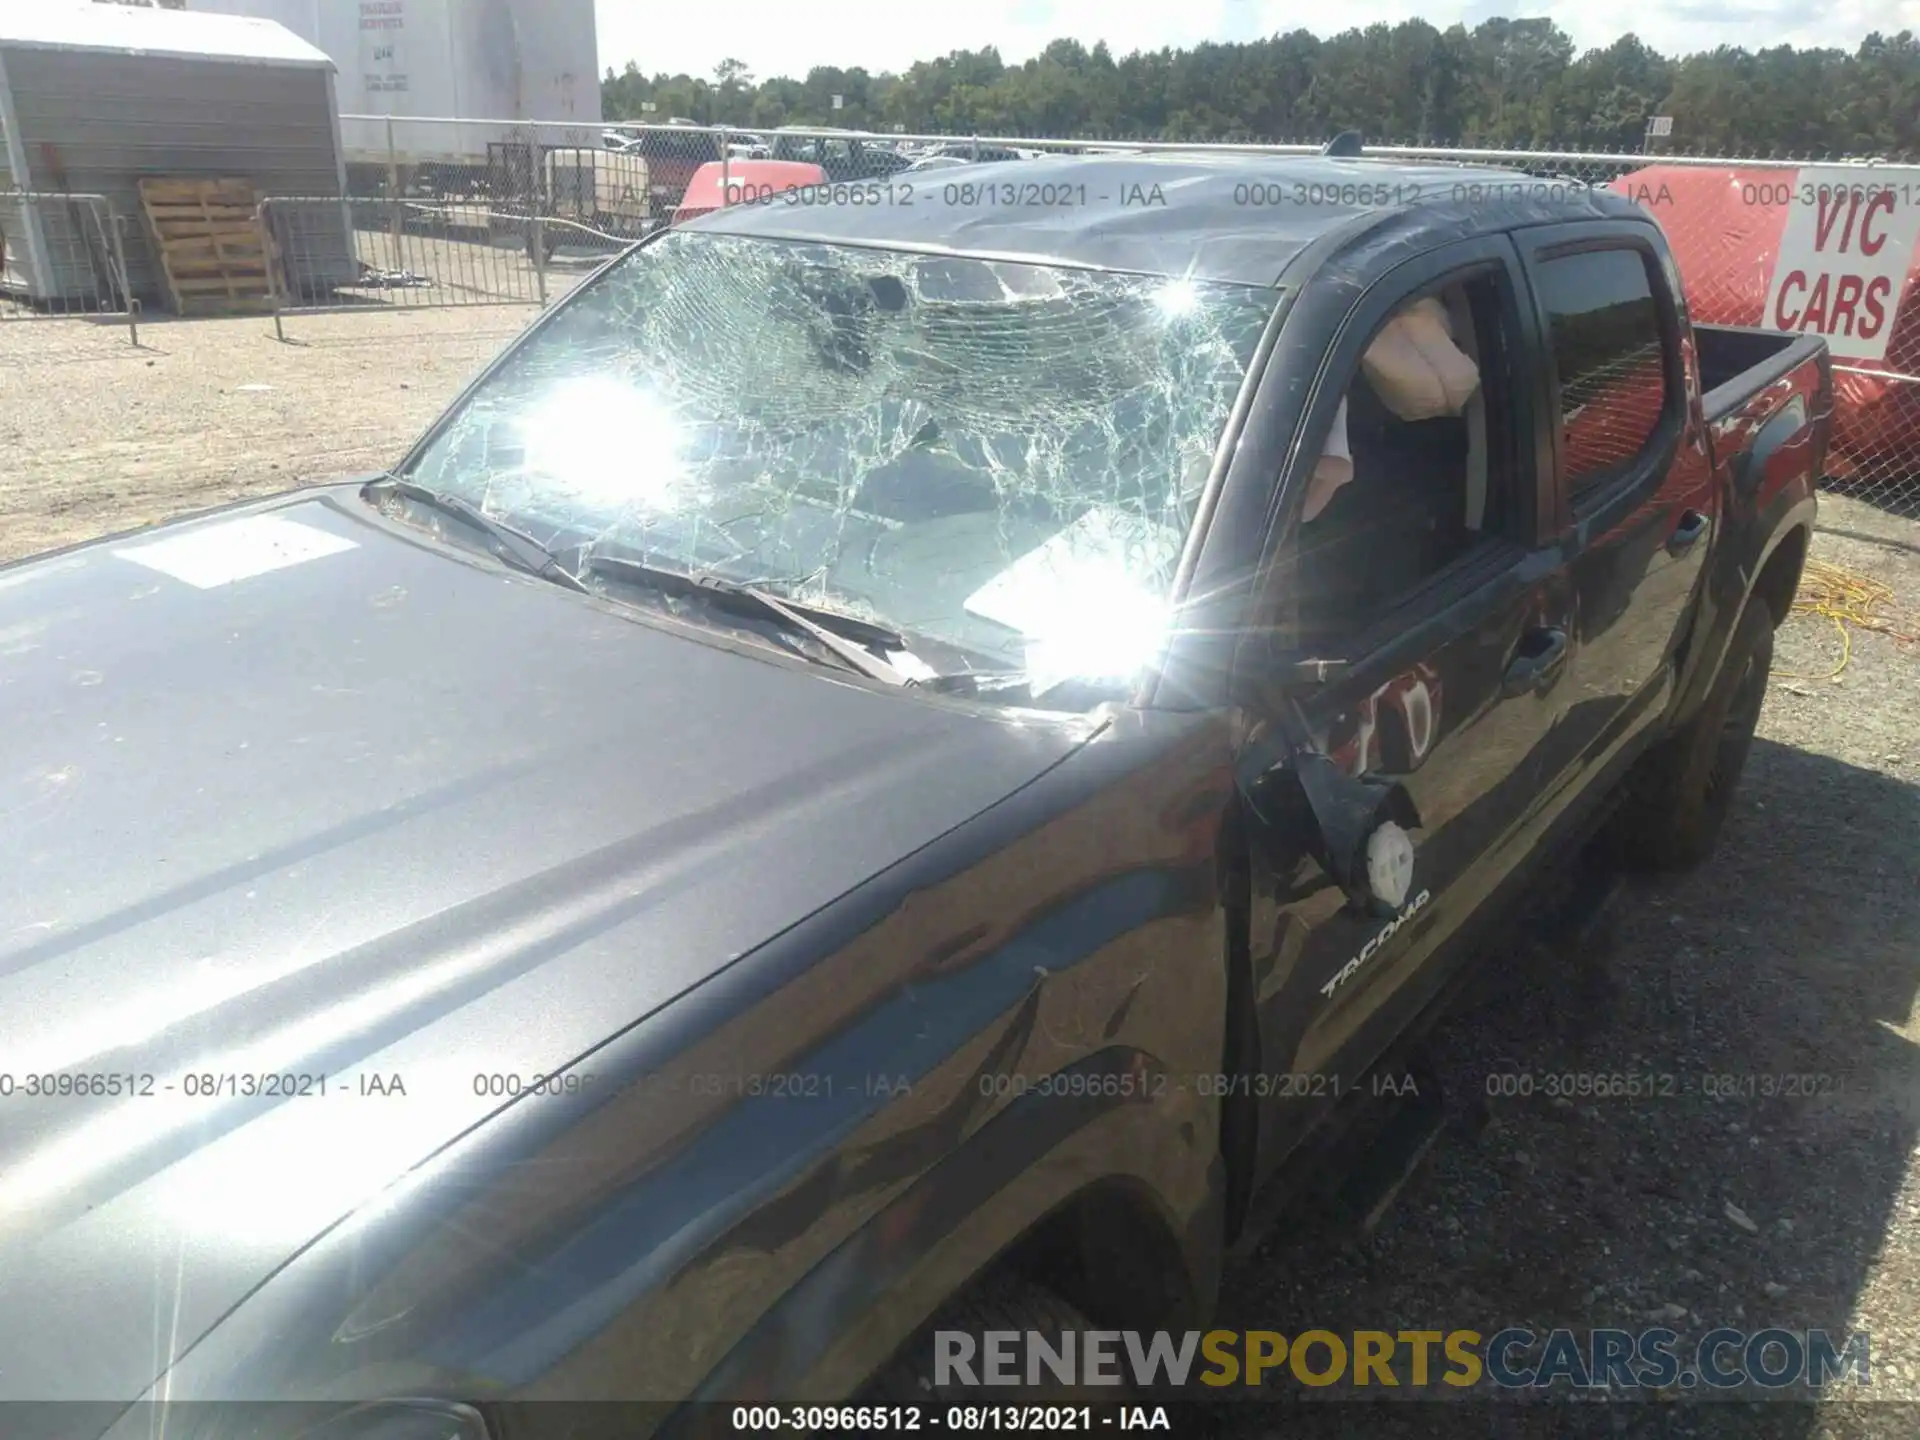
x,y
96,435
1795,952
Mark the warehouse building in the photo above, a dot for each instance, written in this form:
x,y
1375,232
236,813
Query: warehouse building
x,y
94,98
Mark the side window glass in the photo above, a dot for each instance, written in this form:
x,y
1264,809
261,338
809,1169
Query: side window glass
x,y
1415,474
1604,327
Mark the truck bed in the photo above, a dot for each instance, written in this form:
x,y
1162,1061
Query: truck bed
x,y
1738,361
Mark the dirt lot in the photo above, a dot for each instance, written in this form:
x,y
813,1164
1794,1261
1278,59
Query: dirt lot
x,y
1795,953
96,435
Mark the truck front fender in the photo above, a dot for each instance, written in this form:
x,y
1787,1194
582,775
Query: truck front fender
x,y
1083,1158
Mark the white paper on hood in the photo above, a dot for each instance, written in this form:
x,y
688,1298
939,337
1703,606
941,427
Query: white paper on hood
x,y
1090,601
220,554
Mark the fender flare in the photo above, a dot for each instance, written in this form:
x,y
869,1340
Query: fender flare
x,y
1737,584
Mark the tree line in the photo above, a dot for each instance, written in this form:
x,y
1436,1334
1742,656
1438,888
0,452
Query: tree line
x,y
1503,84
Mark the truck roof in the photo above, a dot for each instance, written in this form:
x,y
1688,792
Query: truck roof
x,y
1234,217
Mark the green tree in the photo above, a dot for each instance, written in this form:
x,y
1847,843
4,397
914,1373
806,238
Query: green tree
x,y
1502,84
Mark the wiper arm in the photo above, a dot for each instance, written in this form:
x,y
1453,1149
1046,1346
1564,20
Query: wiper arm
x,y
794,617
978,683
508,542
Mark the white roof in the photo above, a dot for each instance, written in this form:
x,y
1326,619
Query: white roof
x,y
138,30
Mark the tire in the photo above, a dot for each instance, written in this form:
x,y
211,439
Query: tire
x,y
1004,1302
1678,796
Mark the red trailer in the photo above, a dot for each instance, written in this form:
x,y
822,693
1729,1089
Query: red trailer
x,y
1827,249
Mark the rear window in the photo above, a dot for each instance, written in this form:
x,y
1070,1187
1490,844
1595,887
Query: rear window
x,y
1604,326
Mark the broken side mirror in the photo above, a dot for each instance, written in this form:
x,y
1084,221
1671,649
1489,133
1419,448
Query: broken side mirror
x,y
1356,827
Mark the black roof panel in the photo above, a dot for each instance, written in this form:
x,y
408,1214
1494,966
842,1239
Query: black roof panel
x,y
1233,216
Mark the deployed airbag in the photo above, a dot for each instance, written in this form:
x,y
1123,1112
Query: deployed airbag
x,y
1418,370
1419,374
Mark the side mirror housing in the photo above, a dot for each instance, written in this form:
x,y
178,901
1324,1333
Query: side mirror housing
x,y
1358,828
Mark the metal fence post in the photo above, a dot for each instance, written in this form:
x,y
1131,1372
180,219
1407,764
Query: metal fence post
x,y
726,169
112,225
273,267
396,219
540,255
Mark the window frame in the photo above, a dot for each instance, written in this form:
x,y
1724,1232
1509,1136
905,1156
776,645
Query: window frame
x,y
1494,553
1630,478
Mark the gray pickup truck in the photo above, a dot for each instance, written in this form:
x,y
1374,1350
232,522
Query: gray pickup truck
x,y
885,765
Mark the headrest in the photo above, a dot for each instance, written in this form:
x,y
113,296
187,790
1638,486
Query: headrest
x,y
1419,372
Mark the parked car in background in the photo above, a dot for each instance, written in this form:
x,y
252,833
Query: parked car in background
x,y
971,153
717,184
843,155
673,153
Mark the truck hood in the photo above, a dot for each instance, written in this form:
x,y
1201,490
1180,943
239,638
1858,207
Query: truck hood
x,y
309,827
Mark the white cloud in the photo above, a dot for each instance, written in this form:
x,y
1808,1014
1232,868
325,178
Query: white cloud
x,y
780,37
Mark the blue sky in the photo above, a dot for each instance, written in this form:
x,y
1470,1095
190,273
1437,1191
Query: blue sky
x,y
782,37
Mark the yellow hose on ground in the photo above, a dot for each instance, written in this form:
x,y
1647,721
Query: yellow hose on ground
x,y
1852,602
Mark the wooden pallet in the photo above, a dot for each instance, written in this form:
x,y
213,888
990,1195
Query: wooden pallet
x,y
214,254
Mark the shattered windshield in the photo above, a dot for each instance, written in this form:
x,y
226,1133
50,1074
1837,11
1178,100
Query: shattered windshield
x,y
998,461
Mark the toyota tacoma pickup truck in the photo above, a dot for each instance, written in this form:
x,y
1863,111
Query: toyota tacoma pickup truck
x,y
881,767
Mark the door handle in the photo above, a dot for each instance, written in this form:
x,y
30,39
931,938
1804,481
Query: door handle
x,y
1688,532
1534,670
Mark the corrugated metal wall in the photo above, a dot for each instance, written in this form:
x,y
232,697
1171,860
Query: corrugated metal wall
x,y
15,266
95,122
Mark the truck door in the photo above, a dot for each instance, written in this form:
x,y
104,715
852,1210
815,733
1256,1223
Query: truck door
x,y
1632,497
1450,614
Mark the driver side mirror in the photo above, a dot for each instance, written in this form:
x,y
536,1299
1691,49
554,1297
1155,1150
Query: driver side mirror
x,y
1357,827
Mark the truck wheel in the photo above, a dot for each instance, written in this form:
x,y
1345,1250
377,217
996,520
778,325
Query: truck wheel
x,y
1678,796
1005,1302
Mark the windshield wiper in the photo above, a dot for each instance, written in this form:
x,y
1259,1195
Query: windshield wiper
x,y
977,683
794,617
508,542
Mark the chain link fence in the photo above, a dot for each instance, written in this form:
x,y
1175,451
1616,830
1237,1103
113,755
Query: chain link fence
x,y
63,257
454,212
518,213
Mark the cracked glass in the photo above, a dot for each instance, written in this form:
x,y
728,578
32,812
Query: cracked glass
x,y
999,461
